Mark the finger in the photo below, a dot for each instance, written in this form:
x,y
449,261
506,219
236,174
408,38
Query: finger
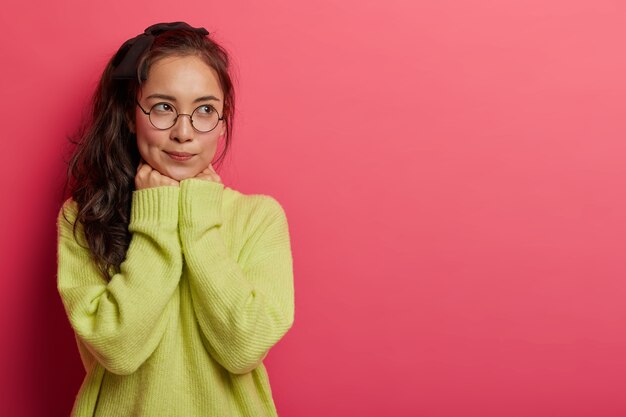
x,y
144,169
204,172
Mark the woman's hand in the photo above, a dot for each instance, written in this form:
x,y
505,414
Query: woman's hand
x,y
147,177
209,174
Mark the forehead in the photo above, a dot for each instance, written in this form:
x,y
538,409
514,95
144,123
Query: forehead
x,y
183,77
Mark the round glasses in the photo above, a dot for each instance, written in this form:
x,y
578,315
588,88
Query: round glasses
x,y
163,116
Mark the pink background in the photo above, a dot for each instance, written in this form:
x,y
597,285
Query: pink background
x,y
453,173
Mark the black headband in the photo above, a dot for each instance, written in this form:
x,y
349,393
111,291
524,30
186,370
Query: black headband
x,y
127,57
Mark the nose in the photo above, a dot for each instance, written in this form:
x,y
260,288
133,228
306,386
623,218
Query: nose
x,y
182,131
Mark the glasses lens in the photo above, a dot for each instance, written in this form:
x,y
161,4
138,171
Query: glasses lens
x,y
163,116
205,118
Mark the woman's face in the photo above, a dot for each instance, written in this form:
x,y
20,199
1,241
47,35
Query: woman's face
x,y
183,83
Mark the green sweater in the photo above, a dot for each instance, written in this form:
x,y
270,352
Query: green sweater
x,y
205,291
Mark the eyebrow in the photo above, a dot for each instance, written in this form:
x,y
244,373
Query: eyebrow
x,y
171,98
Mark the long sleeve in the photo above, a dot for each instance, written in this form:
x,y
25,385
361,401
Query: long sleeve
x,y
244,306
122,321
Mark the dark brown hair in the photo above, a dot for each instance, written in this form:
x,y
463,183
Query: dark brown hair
x,y
102,168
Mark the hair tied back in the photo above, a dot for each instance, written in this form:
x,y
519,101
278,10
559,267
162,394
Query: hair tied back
x,y
127,57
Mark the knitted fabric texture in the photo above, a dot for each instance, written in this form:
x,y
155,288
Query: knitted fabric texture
x,y
205,291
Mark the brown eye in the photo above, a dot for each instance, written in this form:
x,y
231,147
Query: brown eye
x,y
163,108
205,110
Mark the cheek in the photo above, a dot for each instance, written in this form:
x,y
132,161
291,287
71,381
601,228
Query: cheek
x,y
209,149
147,136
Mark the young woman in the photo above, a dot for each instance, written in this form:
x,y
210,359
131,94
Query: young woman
x,y
176,286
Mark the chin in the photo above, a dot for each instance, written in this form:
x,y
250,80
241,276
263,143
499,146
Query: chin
x,y
179,175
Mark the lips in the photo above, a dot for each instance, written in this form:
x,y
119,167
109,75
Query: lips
x,y
179,156
179,153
